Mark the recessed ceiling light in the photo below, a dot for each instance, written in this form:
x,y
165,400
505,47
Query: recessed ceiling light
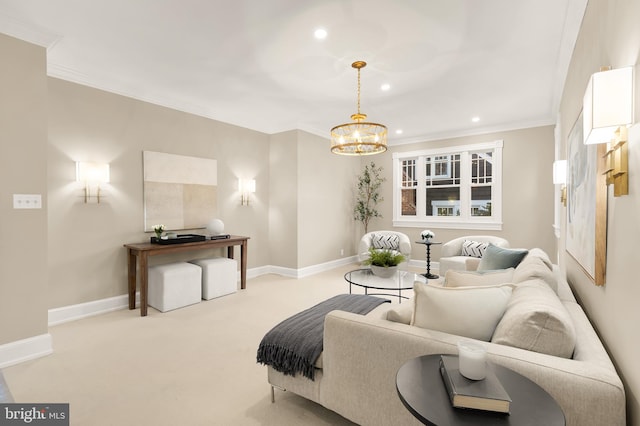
x,y
385,87
475,119
399,132
320,34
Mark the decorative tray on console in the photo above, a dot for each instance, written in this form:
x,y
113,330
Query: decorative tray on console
x,y
179,239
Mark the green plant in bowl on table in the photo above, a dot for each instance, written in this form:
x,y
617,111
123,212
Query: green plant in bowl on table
x,y
385,258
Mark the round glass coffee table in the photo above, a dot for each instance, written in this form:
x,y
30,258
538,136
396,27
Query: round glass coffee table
x,y
393,286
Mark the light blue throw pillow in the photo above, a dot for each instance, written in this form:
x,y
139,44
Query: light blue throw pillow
x,y
501,258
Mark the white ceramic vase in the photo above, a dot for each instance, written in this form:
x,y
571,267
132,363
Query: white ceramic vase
x,y
384,272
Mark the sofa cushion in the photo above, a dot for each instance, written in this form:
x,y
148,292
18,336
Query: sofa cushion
x,y
534,267
477,278
536,320
385,241
401,313
501,258
471,312
473,248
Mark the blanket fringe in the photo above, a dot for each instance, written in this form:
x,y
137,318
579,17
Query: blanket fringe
x,y
285,361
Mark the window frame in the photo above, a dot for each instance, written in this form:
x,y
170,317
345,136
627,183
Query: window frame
x,y
466,221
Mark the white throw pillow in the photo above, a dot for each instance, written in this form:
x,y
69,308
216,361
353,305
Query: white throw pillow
x,y
471,312
401,314
453,278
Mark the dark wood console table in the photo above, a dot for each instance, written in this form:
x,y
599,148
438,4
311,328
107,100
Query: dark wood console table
x,y
142,251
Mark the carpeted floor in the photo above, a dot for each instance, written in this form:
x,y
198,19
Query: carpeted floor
x,y
192,366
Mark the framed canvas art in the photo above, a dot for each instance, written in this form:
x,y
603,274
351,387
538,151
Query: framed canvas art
x,y
586,205
180,192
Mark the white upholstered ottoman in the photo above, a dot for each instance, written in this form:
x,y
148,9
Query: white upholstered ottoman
x,y
219,276
174,285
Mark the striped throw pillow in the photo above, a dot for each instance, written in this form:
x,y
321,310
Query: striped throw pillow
x,y
473,248
385,241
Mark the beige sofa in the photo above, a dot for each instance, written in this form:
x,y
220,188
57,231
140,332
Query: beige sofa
x,y
356,372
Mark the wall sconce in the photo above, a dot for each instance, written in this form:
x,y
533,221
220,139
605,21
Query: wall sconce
x,y
560,178
246,187
608,110
92,175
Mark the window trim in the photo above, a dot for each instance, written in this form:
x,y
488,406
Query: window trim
x,y
493,223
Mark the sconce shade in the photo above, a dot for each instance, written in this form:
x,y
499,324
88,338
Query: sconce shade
x,y
92,175
92,172
607,104
246,187
560,172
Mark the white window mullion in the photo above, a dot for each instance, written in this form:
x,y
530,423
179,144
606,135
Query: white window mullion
x,y
421,189
465,186
496,185
397,188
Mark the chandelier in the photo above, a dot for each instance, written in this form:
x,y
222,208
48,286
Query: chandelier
x,y
359,137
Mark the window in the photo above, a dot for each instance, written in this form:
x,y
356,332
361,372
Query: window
x,y
454,187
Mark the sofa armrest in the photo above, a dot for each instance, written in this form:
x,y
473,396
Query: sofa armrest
x,y
452,248
362,356
471,264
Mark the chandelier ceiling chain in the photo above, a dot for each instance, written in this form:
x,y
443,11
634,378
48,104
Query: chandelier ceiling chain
x,y
358,68
359,137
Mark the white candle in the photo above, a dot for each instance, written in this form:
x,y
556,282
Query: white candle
x,y
473,360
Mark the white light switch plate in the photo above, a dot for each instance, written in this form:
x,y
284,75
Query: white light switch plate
x,y
27,201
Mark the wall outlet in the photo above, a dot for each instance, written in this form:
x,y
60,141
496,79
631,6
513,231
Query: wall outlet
x,y
27,201
341,252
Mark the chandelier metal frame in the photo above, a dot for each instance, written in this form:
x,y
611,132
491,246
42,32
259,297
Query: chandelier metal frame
x,y
359,137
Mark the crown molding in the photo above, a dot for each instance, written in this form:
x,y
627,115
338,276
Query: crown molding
x,y
27,32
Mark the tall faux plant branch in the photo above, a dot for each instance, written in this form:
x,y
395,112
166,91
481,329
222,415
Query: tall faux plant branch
x,y
368,197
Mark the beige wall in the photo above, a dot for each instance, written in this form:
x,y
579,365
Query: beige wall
x,y
610,35
283,209
23,170
325,202
300,189
86,259
527,193
310,220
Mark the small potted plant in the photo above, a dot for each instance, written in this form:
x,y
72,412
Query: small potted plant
x,y
384,263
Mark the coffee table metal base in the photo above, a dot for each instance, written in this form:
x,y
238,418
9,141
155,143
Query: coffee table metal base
x,y
402,280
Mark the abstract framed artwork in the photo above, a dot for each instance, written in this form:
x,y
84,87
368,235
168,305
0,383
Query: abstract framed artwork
x,y
180,192
586,233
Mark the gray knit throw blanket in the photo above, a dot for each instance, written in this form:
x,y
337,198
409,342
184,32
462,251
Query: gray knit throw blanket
x,y
294,345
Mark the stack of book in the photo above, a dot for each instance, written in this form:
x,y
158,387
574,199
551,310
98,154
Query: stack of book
x,y
486,394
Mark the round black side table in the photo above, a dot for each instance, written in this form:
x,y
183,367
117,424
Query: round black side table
x,y
423,393
429,275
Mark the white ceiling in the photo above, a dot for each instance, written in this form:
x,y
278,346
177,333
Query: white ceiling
x,y
256,64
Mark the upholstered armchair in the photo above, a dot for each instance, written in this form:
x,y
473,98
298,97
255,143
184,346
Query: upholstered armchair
x,y
457,255
384,240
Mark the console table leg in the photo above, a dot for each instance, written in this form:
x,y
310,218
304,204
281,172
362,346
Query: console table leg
x,y
144,284
131,266
243,265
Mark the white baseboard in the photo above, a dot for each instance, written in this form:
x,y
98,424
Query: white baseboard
x,y
25,350
97,307
310,270
88,309
422,264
